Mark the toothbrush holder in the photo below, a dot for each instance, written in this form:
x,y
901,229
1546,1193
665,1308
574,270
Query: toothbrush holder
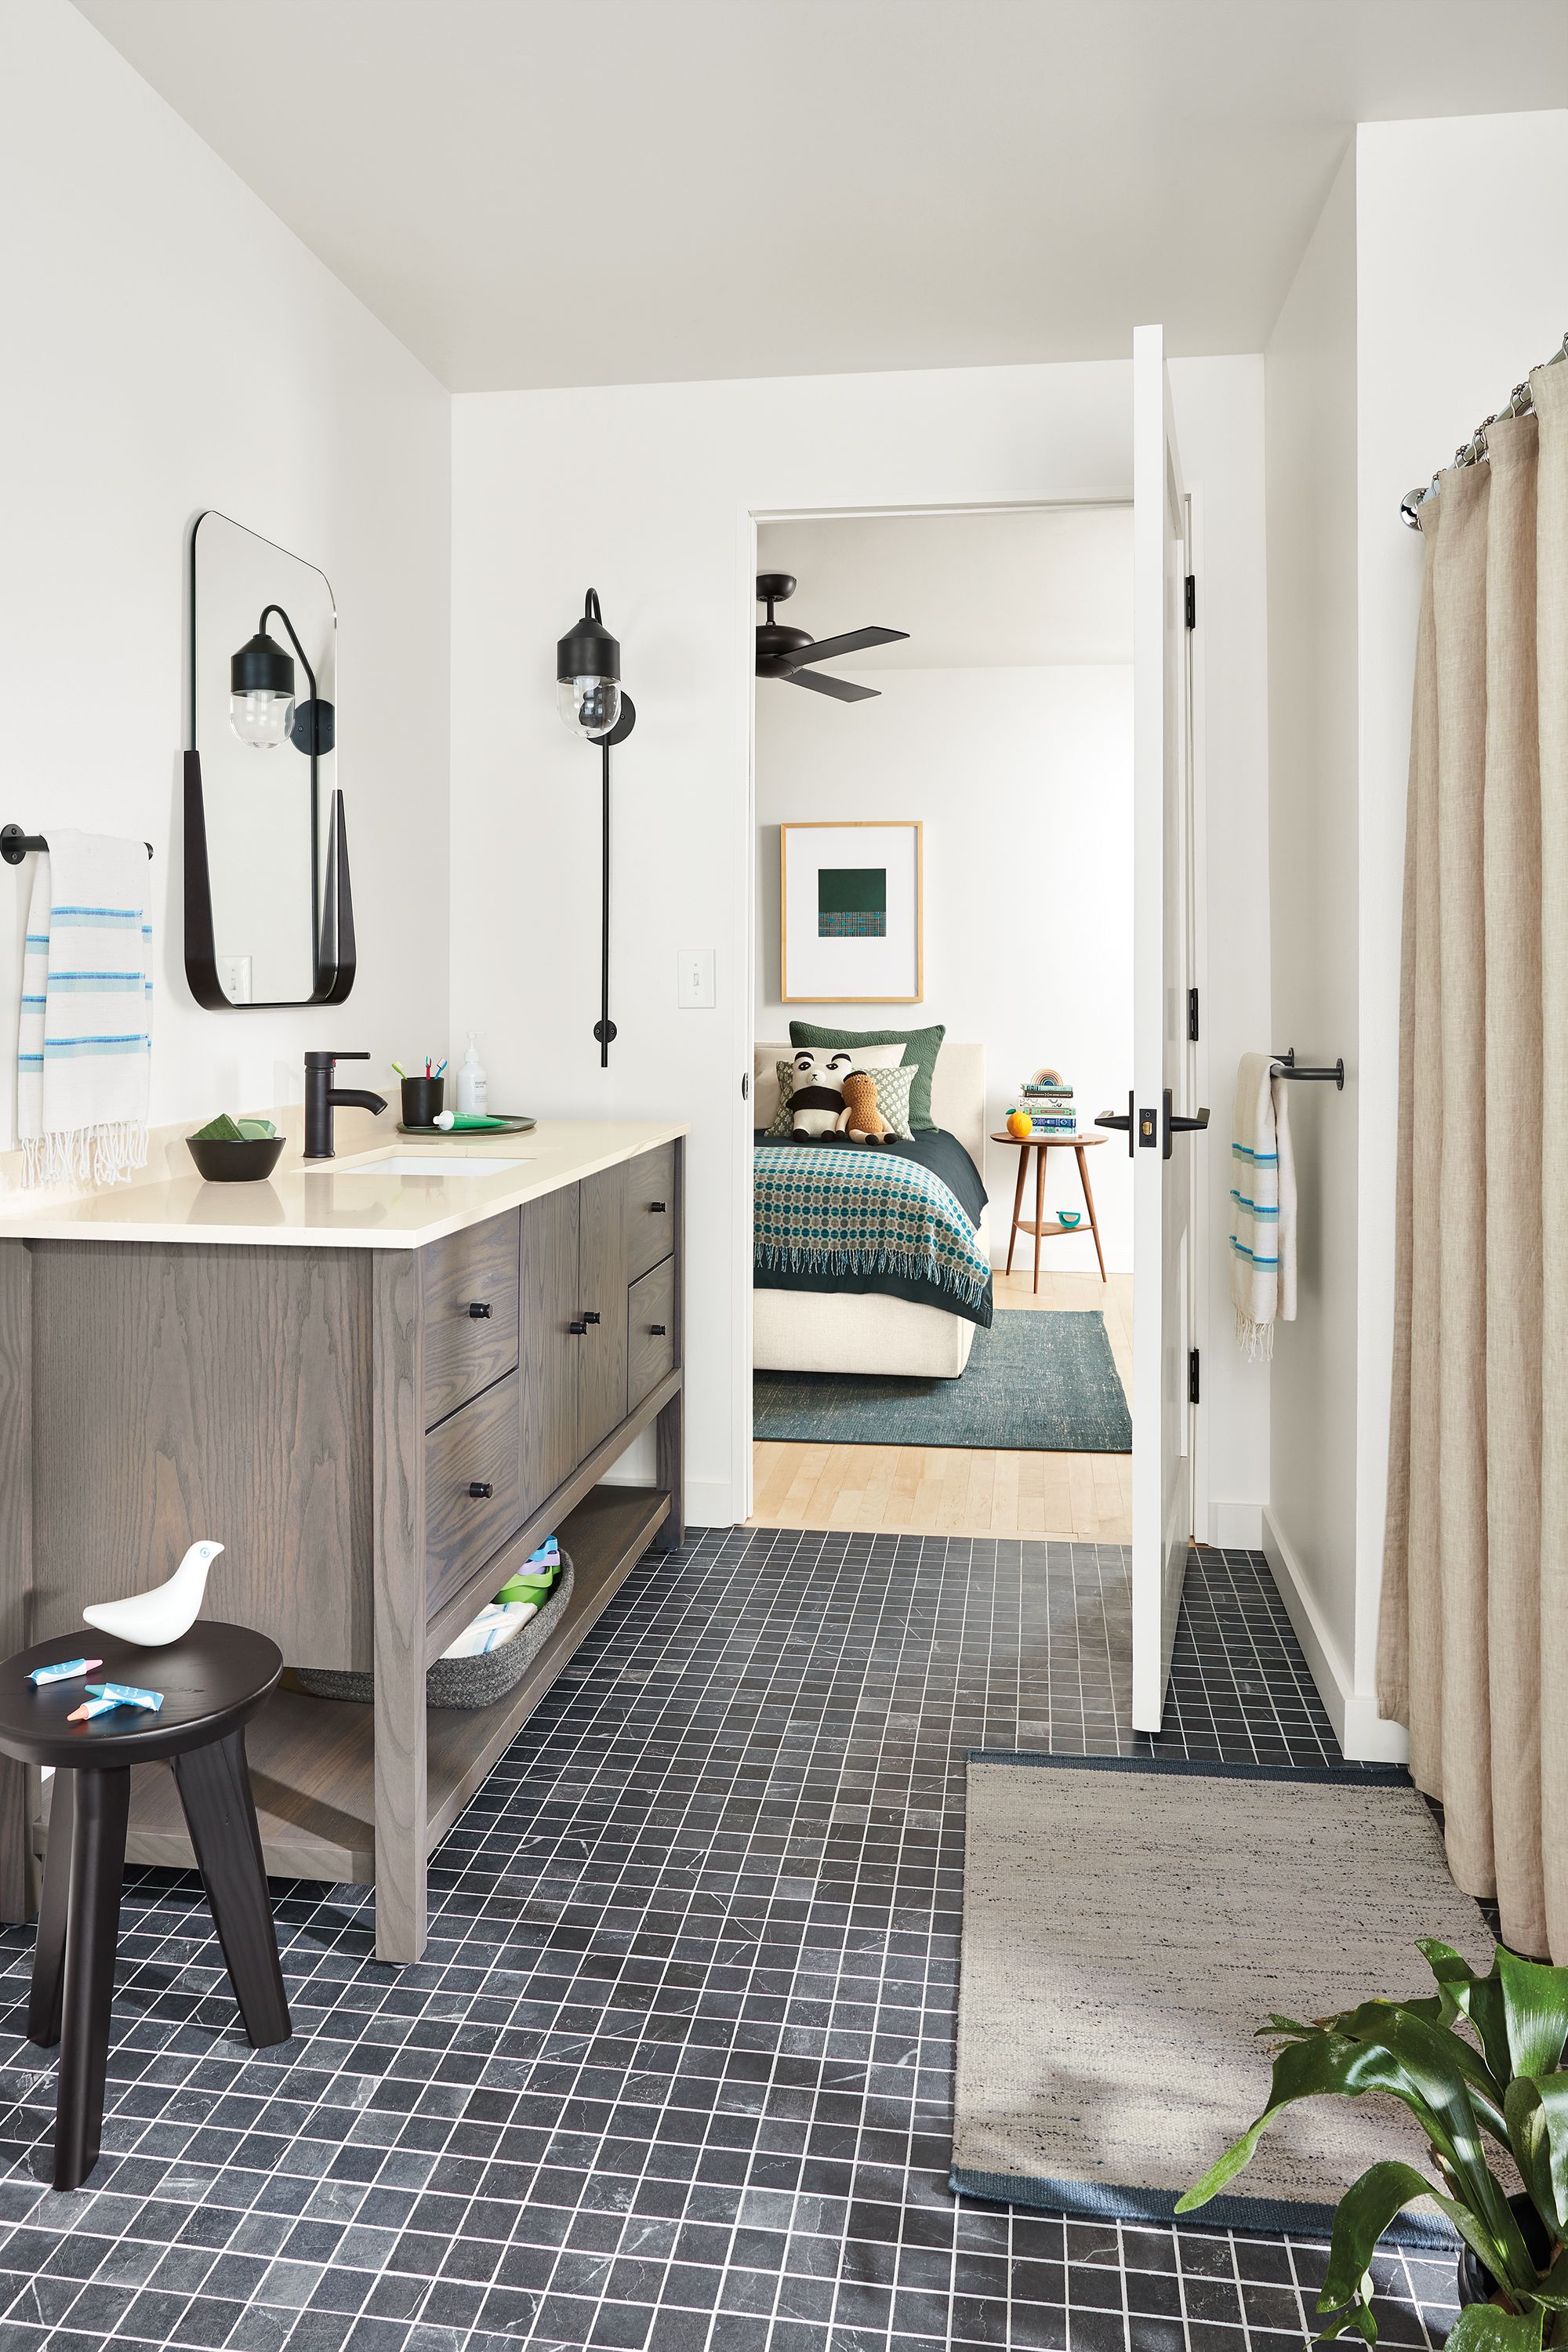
x,y
422,1099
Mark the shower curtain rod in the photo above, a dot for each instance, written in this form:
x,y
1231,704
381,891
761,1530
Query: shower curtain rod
x,y
1470,452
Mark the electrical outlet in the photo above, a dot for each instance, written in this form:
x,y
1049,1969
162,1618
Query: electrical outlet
x,y
694,978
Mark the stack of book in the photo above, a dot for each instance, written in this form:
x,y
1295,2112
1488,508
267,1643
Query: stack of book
x,y
1049,1104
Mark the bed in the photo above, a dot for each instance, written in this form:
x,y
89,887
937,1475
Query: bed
x,y
844,1331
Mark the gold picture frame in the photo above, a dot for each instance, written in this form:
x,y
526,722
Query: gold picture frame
x,y
877,932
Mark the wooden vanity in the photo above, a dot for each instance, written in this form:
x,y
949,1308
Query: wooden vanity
x,y
380,1401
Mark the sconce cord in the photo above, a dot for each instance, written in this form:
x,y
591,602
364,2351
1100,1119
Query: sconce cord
x,y
605,1028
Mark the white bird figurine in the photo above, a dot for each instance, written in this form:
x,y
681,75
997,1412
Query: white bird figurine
x,y
156,1618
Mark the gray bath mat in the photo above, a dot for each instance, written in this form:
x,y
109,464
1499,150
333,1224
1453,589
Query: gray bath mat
x,y
1127,1926
1037,1381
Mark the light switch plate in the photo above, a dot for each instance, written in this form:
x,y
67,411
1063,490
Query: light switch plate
x,y
694,978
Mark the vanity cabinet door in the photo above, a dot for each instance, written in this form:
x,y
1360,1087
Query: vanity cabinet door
x,y
650,1208
602,1295
471,1489
650,1335
551,1353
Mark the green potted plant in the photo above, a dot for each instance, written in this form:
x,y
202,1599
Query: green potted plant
x,y
1481,2059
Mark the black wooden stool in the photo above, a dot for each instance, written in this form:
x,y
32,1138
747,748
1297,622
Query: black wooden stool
x,y
213,1680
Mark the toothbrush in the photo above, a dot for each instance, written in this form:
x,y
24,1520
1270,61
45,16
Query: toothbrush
x,y
399,1068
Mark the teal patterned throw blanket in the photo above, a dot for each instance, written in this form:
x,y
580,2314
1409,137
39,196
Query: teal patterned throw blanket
x,y
863,1219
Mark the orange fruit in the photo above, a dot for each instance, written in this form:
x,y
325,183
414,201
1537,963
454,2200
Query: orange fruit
x,y
1020,1124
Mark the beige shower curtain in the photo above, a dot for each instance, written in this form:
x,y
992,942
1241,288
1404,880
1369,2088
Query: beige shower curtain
x,y
1473,1637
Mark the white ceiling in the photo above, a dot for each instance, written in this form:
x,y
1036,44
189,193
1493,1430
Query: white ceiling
x,y
561,191
977,591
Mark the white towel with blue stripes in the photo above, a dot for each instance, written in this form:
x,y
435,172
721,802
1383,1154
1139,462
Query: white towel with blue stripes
x,y
1262,1206
84,1045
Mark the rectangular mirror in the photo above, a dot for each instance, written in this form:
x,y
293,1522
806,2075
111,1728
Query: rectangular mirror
x,y
268,913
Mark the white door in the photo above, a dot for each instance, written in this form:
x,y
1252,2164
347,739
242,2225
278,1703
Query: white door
x,y
1162,1112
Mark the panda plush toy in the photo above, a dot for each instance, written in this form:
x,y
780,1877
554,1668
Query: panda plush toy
x,y
817,1099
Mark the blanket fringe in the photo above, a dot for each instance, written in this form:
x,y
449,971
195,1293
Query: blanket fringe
x,y
1254,1340
910,1265
101,1154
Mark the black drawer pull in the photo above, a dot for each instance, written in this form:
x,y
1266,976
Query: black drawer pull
x,y
480,1310
658,1208
656,1330
589,1315
480,1490
577,1325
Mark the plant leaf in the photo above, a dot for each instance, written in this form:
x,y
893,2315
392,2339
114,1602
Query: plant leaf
x,y
1551,2090
1535,2006
1477,1998
1362,2216
1300,2071
1531,2147
1483,2328
1427,2057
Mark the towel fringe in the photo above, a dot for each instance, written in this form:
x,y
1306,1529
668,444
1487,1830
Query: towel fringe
x,y
1254,1340
104,1153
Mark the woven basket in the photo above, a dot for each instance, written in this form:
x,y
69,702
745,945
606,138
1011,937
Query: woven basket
x,y
462,1682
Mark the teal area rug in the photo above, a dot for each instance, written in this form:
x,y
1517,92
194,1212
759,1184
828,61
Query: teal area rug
x,y
1036,1382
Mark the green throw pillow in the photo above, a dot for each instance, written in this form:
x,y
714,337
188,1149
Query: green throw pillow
x,y
782,1119
920,1046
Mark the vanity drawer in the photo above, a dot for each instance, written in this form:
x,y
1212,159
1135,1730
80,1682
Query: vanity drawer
x,y
476,1447
650,1208
470,1284
650,1331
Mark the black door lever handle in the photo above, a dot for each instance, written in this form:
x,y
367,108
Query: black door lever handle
x,y
1176,1125
1119,1119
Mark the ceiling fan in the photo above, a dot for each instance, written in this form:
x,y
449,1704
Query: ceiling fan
x,y
784,653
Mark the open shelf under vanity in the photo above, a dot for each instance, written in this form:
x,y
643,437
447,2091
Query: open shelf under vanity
x,y
312,1760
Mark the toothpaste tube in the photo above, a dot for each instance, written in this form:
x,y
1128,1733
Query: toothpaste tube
x,y
89,1707
65,1671
126,1694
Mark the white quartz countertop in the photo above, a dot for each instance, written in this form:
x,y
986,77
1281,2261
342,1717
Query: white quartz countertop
x,y
348,1202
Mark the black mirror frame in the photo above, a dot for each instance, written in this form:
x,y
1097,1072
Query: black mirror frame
x,y
333,919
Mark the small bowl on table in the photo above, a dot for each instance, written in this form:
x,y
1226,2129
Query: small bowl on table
x,y
1070,1218
245,1162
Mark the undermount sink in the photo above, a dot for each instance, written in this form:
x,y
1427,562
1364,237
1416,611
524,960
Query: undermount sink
x,y
434,1162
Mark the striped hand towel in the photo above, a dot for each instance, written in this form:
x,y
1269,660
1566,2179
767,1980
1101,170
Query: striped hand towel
x,y
1262,1206
84,1046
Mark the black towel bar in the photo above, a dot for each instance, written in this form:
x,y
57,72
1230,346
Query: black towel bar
x,y
15,844
1285,1063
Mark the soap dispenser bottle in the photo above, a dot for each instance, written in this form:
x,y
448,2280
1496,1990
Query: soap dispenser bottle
x,y
473,1084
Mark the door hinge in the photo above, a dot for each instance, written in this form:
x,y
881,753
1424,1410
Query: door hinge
x,y
1192,599
1193,1381
1192,1016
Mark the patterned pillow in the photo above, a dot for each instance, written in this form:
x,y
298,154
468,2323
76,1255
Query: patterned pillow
x,y
892,1084
893,1096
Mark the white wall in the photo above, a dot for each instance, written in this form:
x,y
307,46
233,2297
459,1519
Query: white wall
x,y
171,346
649,492
1454,300
1310,376
1023,781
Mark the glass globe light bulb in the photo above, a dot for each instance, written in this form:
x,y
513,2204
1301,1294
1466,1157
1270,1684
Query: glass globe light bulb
x,y
261,717
590,706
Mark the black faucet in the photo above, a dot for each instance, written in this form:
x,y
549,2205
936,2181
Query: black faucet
x,y
322,1098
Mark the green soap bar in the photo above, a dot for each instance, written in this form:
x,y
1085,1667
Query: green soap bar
x,y
221,1130
255,1130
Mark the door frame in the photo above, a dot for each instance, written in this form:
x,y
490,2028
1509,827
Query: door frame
x,y
750,520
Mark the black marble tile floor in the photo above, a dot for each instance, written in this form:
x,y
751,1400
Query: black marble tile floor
x,y
674,2074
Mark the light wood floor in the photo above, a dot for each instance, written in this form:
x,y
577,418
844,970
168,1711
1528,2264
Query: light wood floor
x,y
958,1491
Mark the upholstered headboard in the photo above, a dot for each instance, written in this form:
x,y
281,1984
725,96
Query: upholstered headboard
x,y
957,1093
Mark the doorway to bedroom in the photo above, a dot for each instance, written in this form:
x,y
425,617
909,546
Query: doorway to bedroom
x,y
944,920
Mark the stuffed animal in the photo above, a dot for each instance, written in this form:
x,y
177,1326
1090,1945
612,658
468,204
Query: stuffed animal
x,y
816,1099
862,1121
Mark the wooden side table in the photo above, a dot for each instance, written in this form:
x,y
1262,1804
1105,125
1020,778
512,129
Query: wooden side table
x,y
1042,1145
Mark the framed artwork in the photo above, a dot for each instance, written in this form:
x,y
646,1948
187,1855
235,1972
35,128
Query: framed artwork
x,y
850,914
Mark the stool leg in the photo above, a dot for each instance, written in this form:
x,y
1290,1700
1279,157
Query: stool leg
x,y
220,1813
1018,1206
98,1864
44,2000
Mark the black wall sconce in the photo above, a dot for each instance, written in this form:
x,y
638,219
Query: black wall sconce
x,y
261,706
590,699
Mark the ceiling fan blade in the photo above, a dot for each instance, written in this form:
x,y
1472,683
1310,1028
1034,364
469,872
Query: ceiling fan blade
x,y
829,648
842,689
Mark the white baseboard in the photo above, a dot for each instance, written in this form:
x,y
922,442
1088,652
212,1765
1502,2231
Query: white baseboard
x,y
1362,1732
709,1504
1236,1526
